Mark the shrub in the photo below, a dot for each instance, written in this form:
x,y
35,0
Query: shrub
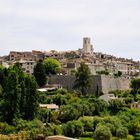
x,y
87,123
130,137
102,132
73,129
6,129
122,132
87,134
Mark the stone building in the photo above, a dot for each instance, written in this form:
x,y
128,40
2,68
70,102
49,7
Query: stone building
x,y
16,56
27,66
27,56
87,47
135,105
70,60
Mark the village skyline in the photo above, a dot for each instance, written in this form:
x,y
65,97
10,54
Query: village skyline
x,y
113,26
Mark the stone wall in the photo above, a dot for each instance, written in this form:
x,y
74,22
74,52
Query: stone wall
x,y
110,83
102,83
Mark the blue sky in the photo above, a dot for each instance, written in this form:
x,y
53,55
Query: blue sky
x,y
112,25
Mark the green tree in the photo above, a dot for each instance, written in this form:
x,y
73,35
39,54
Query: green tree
x,y
100,106
6,129
2,77
87,123
102,132
68,113
11,97
83,78
122,132
31,99
113,123
115,105
135,85
59,100
73,129
17,67
52,66
39,73
1,92
19,98
130,118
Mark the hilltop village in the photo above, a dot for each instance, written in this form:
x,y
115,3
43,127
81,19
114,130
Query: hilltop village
x,y
98,63
69,95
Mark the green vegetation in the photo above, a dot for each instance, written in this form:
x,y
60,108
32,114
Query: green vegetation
x,y
52,66
39,73
82,116
118,74
83,79
102,72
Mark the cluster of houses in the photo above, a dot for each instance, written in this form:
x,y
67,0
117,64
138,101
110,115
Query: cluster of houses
x,y
70,60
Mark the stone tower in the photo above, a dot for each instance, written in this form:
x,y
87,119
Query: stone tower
x,y
87,47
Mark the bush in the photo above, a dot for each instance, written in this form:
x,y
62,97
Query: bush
x,y
87,123
34,128
6,129
122,132
69,113
102,132
130,137
137,136
87,134
73,129
53,129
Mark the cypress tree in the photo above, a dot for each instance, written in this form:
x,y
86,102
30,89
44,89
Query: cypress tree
x,y
39,73
12,97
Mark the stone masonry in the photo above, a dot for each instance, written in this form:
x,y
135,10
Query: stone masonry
x,y
101,83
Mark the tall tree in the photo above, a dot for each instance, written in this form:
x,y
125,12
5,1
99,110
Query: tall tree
x,y
11,97
52,66
39,73
2,76
31,98
83,78
135,84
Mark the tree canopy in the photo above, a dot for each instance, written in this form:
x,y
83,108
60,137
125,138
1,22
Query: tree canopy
x,y
39,73
19,98
135,84
83,78
52,66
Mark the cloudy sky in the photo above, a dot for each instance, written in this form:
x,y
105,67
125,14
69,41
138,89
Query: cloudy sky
x,y
112,25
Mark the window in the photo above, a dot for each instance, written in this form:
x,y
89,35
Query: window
x,y
28,71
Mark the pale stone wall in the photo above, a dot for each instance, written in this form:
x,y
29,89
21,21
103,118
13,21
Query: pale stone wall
x,y
102,83
110,83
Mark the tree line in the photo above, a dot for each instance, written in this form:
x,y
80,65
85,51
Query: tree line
x,y
79,115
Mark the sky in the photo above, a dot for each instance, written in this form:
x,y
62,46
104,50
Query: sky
x,y
112,25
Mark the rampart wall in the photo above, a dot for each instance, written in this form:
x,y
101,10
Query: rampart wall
x,y
99,82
